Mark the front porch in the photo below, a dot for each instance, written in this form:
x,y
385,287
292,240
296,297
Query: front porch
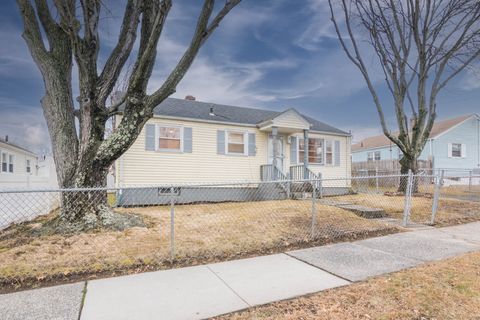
x,y
286,129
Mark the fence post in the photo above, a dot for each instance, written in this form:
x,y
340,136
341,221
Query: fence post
x,y
408,199
436,196
376,179
470,181
314,200
172,223
320,185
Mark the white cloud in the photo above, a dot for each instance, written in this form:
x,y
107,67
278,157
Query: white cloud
x,y
25,125
471,79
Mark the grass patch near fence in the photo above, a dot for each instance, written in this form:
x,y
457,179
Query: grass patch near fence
x,y
450,211
203,233
448,289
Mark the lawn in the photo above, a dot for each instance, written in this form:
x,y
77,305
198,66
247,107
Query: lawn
x,y
450,211
449,289
203,233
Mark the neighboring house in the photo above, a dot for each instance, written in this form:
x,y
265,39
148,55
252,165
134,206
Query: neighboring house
x,y
21,168
453,144
17,164
188,141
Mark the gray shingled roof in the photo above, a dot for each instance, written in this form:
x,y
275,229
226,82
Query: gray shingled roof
x,y
16,146
193,109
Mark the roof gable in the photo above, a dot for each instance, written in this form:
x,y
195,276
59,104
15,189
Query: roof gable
x,y
290,117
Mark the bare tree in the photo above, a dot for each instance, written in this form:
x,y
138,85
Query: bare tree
x,y
421,46
69,32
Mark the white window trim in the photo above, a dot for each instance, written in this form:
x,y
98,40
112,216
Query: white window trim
x,y
373,157
463,148
27,161
325,152
2,152
300,161
157,137
12,156
245,143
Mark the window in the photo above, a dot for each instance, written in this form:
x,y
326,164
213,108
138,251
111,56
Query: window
x,y
329,152
456,150
374,156
170,138
235,143
10,163
315,150
4,162
28,167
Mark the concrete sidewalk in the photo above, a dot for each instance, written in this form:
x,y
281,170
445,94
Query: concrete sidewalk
x,y
204,291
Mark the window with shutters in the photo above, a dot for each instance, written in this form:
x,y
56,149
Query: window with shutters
x,y
236,142
169,138
456,150
315,150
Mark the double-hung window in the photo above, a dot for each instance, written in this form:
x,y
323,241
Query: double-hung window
x,y
315,150
329,152
4,162
28,166
374,156
170,138
10,163
236,143
456,150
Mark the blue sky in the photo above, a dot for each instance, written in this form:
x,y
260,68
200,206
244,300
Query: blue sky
x,y
271,54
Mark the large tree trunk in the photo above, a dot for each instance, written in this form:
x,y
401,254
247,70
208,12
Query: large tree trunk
x,y
408,164
86,204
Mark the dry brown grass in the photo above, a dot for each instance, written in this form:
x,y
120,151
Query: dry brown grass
x,y
203,232
449,289
450,211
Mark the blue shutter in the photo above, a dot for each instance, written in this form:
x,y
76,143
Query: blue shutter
x,y
293,150
187,140
220,141
337,153
150,137
252,147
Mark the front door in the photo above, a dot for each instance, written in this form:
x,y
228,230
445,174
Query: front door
x,y
279,154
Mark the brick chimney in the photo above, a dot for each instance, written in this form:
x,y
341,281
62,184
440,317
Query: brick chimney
x,y
189,97
6,138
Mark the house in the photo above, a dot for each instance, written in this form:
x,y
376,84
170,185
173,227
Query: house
x,y
21,168
189,141
453,144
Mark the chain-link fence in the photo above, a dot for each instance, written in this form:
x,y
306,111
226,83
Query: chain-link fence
x,y
57,234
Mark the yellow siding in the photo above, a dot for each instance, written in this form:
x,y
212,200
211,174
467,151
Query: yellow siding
x,y
140,167
290,120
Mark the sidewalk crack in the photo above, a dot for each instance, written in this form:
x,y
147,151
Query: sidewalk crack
x,y
226,284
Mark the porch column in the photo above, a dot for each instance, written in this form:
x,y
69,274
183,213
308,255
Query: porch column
x,y
305,154
274,146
